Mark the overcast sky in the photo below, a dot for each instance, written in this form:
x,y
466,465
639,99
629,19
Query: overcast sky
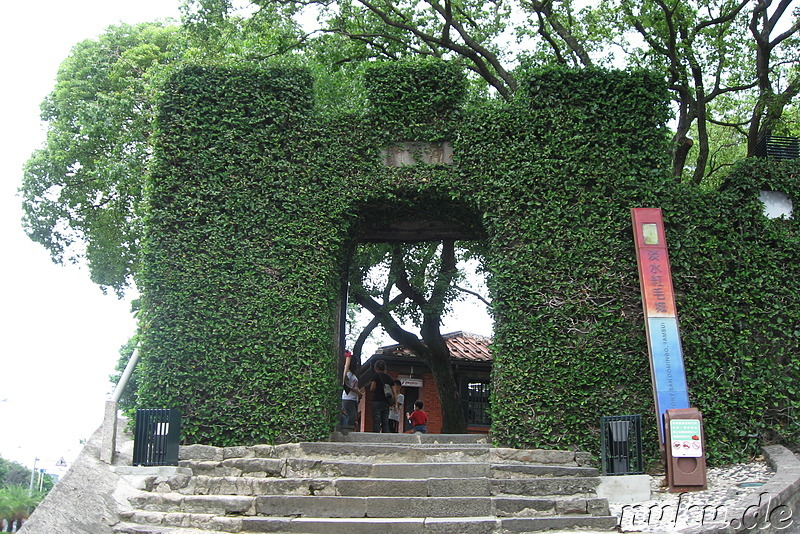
x,y
59,335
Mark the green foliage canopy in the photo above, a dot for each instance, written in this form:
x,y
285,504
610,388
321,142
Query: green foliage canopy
x,y
732,71
730,64
82,192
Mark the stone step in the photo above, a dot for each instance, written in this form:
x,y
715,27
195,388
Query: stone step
x,y
368,506
303,467
427,453
147,522
380,452
373,437
366,486
172,524
135,528
425,525
360,482
354,507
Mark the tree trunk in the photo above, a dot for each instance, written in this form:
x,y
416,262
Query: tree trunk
x,y
453,421
701,161
769,106
681,143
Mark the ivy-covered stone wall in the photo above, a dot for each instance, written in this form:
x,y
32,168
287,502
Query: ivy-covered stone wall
x,y
257,199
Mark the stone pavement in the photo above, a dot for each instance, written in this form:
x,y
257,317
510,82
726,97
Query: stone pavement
x,y
760,496
671,512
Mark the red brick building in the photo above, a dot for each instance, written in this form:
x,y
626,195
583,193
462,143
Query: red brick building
x,y
472,364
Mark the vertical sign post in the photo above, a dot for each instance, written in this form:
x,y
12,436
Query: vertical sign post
x,y
661,320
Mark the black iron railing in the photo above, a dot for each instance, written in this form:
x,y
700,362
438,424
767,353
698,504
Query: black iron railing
x,y
776,147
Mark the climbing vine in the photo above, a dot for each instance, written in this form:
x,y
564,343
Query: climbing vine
x,y
257,198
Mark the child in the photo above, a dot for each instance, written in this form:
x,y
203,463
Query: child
x,y
418,419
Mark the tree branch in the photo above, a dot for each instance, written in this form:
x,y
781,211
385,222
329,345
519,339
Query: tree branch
x,y
398,270
474,294
391,326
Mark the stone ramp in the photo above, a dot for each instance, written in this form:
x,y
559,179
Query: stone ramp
x,y
357,483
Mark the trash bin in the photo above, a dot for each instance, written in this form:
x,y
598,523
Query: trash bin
x,y
621,444
156,437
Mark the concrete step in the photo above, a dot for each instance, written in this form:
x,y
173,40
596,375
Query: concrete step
x,y
174,524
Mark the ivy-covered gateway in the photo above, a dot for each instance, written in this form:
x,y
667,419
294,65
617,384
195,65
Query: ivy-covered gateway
x,y
257,200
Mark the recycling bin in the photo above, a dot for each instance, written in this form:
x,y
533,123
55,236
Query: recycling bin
x,y
621,444
156,437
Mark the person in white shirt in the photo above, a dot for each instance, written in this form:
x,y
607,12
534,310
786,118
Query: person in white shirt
x,y
350,392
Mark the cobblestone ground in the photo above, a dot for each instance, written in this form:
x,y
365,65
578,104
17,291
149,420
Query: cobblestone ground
x,y
670,512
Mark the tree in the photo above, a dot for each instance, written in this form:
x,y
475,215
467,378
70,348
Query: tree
x,y
771,101
707,50
382,29
418,284
732,66
16,501
16,505
13,473
82,192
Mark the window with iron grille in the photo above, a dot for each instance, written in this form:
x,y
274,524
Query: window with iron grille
x,y
475,397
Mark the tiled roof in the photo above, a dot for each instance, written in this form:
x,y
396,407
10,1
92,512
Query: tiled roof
x,y
463,346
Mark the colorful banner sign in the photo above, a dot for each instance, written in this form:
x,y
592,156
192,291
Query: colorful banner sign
x,y
661,319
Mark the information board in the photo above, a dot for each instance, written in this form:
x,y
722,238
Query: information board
x,y
686,438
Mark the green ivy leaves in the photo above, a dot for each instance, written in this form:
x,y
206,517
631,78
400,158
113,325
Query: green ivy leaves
x,y
256,200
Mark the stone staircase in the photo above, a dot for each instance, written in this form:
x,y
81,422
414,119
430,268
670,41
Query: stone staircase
x,y
362,483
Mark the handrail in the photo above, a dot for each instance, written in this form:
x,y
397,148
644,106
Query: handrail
x,y
109,445
126,375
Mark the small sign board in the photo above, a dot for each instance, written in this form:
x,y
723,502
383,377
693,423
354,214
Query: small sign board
x,y
411,382
686,438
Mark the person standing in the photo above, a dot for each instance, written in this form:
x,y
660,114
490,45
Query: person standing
x,y
397,408
350,392
380,402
